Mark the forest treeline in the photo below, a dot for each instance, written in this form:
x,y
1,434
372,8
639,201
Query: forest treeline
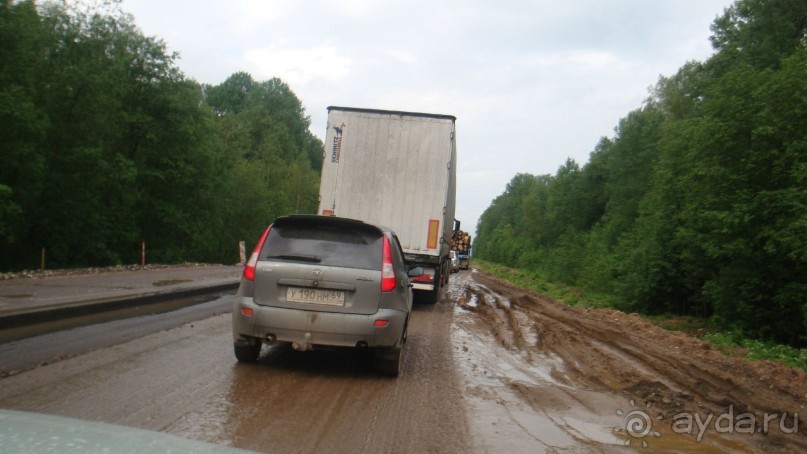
x,y
105,144
698,204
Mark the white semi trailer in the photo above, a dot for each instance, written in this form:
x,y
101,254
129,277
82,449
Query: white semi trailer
x,y
396,169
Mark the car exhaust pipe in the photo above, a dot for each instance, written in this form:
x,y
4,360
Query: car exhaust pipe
x,y
271,339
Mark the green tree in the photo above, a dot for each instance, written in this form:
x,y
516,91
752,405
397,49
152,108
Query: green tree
x,y
746,204
272,158
759,33
108,144
24,36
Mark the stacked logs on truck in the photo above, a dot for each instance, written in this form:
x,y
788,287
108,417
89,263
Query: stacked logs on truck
x,y
461,242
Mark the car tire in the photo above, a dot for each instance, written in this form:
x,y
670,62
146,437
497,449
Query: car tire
x,y
388,361
248,353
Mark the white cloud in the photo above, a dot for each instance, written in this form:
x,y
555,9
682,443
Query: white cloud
x,y
353,8
404,56
298,67
595,59
264,11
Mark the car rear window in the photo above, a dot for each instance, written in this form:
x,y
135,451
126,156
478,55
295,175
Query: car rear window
x,y
346,246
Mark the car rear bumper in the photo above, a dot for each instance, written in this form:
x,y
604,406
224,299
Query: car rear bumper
x,y
311,329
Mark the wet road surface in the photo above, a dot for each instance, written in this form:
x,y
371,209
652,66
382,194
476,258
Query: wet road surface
x,y
487,369
79,335
186,381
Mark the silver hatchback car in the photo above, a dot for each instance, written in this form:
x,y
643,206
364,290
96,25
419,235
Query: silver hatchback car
x,y
322,282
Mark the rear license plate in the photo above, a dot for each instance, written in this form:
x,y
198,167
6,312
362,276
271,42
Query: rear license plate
x,y
315,296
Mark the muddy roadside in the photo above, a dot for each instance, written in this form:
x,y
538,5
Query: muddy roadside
x,y
683,393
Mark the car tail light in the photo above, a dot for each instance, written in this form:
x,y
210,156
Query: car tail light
x,y
388,280
249,269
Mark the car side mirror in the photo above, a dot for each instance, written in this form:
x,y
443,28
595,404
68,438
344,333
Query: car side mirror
x,y
415,272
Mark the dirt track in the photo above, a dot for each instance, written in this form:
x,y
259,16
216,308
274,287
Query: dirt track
x,y
490,368
671,379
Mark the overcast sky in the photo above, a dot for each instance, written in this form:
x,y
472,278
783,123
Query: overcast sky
x,y
531,83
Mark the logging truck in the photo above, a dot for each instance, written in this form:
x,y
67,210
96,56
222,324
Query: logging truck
x,y
461,243
396,169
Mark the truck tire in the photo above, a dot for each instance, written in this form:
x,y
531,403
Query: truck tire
x,y
431,296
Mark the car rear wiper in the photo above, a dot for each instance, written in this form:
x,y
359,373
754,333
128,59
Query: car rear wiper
x,y
302,258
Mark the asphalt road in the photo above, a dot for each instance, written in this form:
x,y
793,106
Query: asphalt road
x,y
81,335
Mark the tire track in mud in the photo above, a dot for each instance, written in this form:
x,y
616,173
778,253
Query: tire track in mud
x,y
561,339
518,405
606,350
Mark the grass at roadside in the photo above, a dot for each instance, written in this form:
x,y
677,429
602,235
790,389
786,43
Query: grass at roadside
x,y
535,281
730,343
734,343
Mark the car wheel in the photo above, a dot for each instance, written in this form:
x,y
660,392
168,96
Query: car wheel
x,y
248,353
388,362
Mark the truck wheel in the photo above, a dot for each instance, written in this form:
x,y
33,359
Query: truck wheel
x,y
431,296
248,353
